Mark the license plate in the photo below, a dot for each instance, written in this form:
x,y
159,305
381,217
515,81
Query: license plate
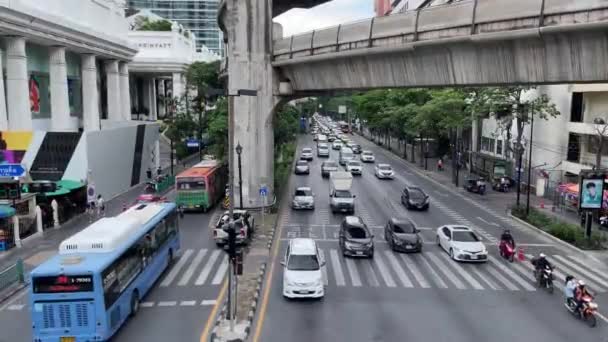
x,y
359,253
190,206
67,339
344,210
408,246
474,257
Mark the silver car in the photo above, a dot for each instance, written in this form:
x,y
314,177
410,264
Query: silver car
x,y
303,198
302,167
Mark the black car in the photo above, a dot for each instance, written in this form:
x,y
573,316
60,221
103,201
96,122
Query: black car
x,y
328,167
355,238
403,235
356,148
415,198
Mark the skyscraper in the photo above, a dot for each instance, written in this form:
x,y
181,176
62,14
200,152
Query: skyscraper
x,y
199,16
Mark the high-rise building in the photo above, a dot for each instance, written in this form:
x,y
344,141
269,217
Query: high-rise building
x,y
199,16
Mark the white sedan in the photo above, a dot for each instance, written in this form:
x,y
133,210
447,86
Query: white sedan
x,y
461,243
384,171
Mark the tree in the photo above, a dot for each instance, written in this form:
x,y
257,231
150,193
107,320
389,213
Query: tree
x,y
601,130
217,128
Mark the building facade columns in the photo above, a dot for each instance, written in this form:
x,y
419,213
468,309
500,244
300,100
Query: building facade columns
x,y
178,84
18,102
125,93
60,103
3,114
90,95
113,91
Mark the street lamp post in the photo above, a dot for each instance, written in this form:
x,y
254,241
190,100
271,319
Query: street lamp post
x,y
529,165
239,150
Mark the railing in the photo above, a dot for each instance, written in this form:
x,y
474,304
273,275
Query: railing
x,y
12,276
468,21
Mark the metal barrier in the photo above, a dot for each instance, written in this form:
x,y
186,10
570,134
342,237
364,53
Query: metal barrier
x,y
12,275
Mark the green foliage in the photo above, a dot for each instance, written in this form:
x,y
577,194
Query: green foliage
x,y
154,25
570,233
203,75
217,128
285,129
285,125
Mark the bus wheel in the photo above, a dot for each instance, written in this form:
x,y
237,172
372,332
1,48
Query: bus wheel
x,y
170,258
134,303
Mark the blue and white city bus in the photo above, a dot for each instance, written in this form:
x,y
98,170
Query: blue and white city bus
x,y
88,290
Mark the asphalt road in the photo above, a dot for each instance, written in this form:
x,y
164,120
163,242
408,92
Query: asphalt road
x,y
175,310
419,297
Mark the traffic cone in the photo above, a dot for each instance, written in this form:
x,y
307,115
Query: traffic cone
x,y
520,254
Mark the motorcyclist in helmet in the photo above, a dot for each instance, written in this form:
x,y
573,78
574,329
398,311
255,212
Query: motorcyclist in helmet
x,y
507,237
580,292
540,263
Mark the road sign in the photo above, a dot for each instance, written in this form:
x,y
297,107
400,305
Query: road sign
x,y
192,143
11,170
263,191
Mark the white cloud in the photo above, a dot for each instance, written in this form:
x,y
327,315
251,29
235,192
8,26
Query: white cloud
x,y
330,14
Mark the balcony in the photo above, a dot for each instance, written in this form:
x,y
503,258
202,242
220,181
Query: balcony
x,y
574,167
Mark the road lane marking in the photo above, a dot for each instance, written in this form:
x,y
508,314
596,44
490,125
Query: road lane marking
x,y
415,271
496,274
588,273
14,298
335,262
445,270
576,274
485,279
602,317
187,303
16,307
371,274
213,314
193,266
591,265
487,222
167,303
324,268
352,270
177,268
400,272
146,304
511,274
207,302
221,271
436,278
207,269
463,273
384,272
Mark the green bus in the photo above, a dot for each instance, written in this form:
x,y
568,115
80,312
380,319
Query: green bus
x,y
201,186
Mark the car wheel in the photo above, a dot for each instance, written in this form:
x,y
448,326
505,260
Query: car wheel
x,y
134,303
371,254
452,254
437,241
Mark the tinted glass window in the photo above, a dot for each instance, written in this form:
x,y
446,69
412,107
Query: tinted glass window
x,y
403,228
302,163
303,193
303,263
384,167
331,164
306,150
190,184
416,194
354,163
356,233
465,236
342,194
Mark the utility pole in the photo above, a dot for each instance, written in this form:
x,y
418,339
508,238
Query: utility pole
x,y
231,229
530,164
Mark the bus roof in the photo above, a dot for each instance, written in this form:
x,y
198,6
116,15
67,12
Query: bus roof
x,y
201,169
96,246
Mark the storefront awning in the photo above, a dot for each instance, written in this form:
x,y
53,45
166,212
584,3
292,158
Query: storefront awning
x,y
64,187
6,211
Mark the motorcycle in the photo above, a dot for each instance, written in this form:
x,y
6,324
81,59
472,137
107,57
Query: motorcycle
x,y
476,185
545,279
604,221
507,250
587,311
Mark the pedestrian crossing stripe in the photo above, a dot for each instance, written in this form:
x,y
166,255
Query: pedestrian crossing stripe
x,y
462,220
435,269
144,304
198,268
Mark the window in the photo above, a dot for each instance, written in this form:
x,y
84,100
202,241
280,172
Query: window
x,y
465,236
303,263
403,228
446,232
191,184
303,193
577,107
491,145
499,147
356,233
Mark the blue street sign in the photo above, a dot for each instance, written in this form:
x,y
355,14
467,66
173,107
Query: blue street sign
x,y
192,143
11,170
263,191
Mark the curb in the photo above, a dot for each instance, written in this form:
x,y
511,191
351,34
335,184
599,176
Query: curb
x,y
6,296
547,235
250,315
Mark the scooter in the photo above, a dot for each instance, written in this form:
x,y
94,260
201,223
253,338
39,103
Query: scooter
x,y
587,312
545,279
506,250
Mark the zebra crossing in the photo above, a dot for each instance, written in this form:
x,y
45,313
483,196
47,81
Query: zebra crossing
x,y
457,217
197,268
435,269
322,216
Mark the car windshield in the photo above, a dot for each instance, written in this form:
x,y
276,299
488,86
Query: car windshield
x,y
343,194
354,163
306,150
416,194
323,145
302,193
384,167
302,163
357,146
368,154
403,228
303,263
191,184
347,155
357,233
332,164
465,236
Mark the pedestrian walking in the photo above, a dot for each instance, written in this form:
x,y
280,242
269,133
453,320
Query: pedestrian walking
x,y
439,164
101,208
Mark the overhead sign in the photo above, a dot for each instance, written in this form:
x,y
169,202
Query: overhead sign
x,y
263,191
91,195
11,170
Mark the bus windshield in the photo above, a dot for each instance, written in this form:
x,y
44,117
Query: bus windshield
x,y
191,184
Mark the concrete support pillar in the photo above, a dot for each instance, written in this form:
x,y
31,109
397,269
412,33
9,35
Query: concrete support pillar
x,y
474,133
16,231
60,102
39,227
153,100
249,51
161,98
90,95
3,114
145,96
113,91
157,153
178,85
125,93
18,102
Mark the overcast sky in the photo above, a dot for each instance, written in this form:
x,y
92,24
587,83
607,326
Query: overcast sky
x,y
332,13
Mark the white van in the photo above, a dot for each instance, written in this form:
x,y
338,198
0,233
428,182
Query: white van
x,y
302,275
346,155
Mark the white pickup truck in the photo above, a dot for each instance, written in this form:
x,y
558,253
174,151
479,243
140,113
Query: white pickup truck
x,y
244,225
341,199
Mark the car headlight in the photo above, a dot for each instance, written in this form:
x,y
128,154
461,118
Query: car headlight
x,y
348,245
397,241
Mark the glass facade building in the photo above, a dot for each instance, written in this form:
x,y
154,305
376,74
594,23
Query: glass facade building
x,y
199,16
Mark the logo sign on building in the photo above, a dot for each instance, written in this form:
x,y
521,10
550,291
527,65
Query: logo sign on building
x,y
192,143
342,109
591,190
12,170
91,192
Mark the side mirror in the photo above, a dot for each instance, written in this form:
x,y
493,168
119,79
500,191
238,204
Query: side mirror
x,y
323,263
283,263
372,236
354,196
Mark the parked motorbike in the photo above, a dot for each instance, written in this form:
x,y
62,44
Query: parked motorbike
x,y
604,221
507,251
501,184
545,279
476,185
587,312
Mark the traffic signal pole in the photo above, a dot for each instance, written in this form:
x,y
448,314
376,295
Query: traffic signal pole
x,y
230,314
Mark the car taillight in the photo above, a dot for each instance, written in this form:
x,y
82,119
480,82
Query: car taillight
x,y
243,231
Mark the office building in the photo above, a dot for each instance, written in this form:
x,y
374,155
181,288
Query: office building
x,y
198,16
